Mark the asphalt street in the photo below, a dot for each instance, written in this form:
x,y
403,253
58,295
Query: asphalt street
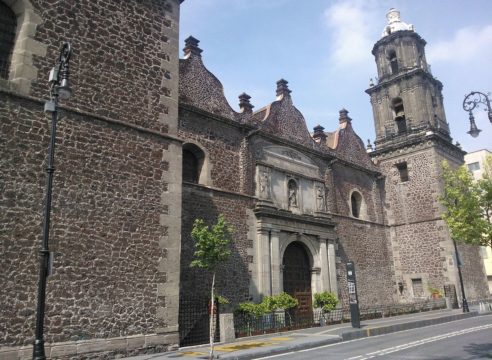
x,y
464,339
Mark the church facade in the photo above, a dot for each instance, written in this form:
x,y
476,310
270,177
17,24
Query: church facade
x,y
135,171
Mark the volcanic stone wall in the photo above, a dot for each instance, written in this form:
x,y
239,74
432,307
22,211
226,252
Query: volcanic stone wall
x,y
421,243
117,187
365,240
232,278
223,145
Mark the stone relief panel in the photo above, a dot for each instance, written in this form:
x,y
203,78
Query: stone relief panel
x,y
263,182
289,179
320,197
290,160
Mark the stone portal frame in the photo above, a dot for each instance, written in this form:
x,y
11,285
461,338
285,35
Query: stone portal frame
x,y
22,71
275,231
311,245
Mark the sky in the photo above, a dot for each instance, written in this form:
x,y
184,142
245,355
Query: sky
x,y
323,49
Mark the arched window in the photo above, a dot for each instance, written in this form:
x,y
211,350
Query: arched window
x,y
356,203
399,112
393,62
8,25
193,158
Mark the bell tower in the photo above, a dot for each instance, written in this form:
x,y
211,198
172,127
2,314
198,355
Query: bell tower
x,y
412,139
406,100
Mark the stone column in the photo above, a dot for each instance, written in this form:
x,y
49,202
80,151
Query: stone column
x,y
315,280
325,270
275,261
264,266
332,266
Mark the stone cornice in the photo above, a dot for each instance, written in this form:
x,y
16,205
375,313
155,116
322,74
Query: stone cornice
x,y
389,150
93,116
397,34
327,155
401,76
269,212
217,190
222,119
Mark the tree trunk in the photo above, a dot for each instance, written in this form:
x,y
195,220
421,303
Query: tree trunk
x,y
212,318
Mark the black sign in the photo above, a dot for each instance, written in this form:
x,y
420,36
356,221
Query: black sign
x,y
352,292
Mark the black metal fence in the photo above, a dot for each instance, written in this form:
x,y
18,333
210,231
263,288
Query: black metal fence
x,y
480,301
284,321
194,321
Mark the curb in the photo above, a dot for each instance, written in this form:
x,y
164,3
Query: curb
x,y
282,350
350,335
358,334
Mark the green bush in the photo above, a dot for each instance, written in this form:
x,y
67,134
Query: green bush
x,y
282,301
221,300
252,309
325,300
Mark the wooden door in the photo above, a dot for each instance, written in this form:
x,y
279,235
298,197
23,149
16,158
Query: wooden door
x,y
297,281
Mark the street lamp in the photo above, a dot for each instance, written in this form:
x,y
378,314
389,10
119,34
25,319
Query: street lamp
x,y
59,89
473,100
458,263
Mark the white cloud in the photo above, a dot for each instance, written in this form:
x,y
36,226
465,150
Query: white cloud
x,y
353,23
468,44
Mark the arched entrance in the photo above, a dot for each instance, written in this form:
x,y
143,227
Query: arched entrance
x,y
297,281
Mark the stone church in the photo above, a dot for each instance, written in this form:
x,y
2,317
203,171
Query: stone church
x,y
148,143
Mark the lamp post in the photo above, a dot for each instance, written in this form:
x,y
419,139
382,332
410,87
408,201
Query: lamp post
x,y
458,263
473,100
59,89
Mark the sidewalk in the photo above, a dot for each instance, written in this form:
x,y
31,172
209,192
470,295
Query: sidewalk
x,y
272,344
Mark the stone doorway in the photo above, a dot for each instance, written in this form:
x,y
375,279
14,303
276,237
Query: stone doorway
x,y
297,281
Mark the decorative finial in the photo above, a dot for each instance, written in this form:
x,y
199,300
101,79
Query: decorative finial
x,y
371,83
282,88
369,146
319,134
344,116
191,46
395,23
244,103
458,145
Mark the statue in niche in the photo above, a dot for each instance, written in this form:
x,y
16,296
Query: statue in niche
x,y
292,193
320,198
264,184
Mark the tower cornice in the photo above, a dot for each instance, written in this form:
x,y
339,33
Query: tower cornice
x,y
396,35
404,75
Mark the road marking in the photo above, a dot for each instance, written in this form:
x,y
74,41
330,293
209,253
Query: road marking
x,y
360,357
419,342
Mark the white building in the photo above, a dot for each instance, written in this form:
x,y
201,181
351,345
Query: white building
x,y
475,162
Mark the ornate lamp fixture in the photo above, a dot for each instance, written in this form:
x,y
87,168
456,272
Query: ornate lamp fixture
x,y
472,101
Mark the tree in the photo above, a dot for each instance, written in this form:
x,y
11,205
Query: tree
x,y
467,205
212,247
485,188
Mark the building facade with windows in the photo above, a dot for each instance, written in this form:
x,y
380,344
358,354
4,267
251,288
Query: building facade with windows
x,y
475,162
149,143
